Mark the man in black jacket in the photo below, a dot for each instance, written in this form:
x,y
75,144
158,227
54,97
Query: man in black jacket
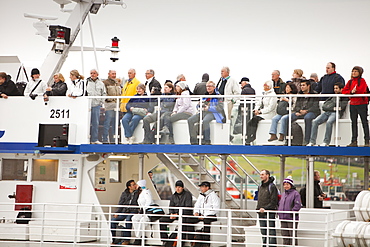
x,y
267,200
318,194
7,86
128,197
151,82
181,198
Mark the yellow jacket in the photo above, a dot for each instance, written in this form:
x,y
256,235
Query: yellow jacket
x,y
129,89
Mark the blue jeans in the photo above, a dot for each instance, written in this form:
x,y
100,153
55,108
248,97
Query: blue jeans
x,y
130,122
307,124
128,223
95,114
328,117
110,120
271,227
274,123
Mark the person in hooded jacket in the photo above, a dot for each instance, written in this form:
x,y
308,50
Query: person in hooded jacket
x,y
7,86
212,109
267,200
200,88
290,201
138,220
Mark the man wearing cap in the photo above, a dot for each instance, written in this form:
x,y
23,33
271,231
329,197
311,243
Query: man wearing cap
x,y
267,200
246,90
181,198
228,86
35,86
279,85
212,108
200,88
206,208
128,197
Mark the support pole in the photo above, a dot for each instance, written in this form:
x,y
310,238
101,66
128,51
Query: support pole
x,y
282,172
202,167
141,166
310,182
223,181
366,173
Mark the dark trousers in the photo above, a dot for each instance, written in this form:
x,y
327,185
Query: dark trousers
x,y
354,111
271,239
207,220
166,219
289,233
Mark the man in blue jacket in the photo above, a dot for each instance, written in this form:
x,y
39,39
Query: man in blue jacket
x,y
212,108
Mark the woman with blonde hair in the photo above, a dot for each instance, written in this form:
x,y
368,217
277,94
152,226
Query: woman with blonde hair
x,y
77,86
297,78
59,88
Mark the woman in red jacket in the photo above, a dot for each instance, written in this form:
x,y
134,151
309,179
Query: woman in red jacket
x,y
358,105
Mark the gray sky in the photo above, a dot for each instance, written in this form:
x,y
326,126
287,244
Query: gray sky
x,y
195,37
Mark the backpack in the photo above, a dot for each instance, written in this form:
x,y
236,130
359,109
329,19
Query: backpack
x,y
154,212
297,134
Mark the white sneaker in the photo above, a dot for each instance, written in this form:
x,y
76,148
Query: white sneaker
x,y
97,142
131,139
324,145
310,144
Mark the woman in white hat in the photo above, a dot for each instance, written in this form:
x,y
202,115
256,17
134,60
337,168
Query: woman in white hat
x,y
138,221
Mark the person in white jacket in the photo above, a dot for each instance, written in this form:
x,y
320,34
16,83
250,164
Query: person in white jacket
x,y
138,221
36,86
206,209
265,108
228,86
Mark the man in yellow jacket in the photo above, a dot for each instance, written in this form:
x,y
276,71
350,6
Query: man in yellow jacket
x,y
129,89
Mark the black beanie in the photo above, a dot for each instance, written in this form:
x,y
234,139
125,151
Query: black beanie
x,y
205,77
179,183
35,71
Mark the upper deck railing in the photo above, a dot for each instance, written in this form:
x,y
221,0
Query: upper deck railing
x,y
21,117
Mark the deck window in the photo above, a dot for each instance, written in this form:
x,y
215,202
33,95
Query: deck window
x,y
14,169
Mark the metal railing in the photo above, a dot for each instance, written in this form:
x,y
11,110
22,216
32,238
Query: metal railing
x,y
91,225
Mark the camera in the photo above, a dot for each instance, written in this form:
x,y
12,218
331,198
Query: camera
x,y
33,96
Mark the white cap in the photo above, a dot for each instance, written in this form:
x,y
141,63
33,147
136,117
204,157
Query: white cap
x,y
141,183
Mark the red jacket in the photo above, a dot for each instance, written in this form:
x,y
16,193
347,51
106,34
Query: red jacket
x,y
360,89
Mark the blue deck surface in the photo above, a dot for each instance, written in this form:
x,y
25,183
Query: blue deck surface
x,y
207,149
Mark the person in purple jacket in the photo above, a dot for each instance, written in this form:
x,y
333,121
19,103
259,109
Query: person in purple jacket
x,y
290,201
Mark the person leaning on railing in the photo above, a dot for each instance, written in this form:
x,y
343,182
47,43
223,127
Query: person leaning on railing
x,y
59,87
7,86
